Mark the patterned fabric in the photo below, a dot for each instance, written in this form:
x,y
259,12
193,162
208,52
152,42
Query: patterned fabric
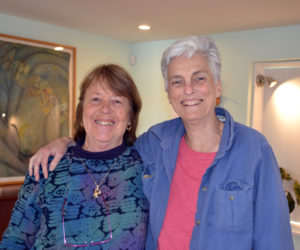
x,y
36,221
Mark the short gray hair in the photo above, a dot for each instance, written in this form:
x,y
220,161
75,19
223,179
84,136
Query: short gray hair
x,y
189,46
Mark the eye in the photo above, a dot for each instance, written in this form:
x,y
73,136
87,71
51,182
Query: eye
x,y
198,79
117,101
95,99
177,82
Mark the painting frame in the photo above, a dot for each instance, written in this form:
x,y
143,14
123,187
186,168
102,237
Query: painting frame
x,y
71,84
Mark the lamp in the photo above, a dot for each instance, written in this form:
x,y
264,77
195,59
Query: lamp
x,y
261,80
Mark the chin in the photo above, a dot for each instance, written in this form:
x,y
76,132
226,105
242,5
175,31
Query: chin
x,y
191,117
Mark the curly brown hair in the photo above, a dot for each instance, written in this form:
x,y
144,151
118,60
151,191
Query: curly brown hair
x,y
120,82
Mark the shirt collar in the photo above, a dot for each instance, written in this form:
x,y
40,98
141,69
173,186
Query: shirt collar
x,y
170,131
103,155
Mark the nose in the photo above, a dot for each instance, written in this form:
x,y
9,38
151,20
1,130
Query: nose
x,y
188,88
105,106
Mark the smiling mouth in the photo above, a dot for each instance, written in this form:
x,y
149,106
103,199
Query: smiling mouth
x,y
191,102
104,123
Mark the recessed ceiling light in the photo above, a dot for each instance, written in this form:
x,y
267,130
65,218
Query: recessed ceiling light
x,y
59,48
144,27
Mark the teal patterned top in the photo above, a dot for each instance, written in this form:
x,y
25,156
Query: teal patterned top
x,y
37,220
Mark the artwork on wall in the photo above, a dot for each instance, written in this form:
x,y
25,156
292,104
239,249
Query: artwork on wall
x,y
37,97
275,113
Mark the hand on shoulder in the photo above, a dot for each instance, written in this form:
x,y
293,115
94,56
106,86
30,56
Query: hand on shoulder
x,y
57,148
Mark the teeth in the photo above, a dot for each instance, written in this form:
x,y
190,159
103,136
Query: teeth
x,y
191,102
104,123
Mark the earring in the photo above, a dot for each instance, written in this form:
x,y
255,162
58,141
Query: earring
x,y
129,127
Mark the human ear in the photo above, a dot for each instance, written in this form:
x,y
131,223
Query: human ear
x,y
218,89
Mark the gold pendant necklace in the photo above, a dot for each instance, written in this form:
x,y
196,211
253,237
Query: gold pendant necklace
x,y
97,190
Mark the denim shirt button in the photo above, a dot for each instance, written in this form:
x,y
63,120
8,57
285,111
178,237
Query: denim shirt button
x,y
231,197
204,189
198,222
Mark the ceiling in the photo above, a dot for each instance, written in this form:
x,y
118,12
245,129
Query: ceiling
x,y
169,19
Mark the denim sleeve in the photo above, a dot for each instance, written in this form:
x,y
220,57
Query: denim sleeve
x,y
272,228
25,219
147,145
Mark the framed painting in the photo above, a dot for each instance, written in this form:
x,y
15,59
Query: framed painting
x,y
37,100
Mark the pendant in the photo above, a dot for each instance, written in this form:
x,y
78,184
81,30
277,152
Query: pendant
x,y
97,192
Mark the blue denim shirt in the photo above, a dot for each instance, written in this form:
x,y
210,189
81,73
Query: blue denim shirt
x,y
241,203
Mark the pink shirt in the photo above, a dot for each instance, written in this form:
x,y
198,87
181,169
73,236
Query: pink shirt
x,y
179,221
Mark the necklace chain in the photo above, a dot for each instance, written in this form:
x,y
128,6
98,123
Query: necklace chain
x,y
97,190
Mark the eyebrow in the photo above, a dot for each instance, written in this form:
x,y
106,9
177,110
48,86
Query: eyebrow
x,y
199,71
176,76
193,74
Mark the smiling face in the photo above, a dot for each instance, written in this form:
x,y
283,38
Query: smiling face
x,y
105,117
192,91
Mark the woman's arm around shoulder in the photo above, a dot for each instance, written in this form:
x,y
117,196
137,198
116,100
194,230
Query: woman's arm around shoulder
x,y
57,148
